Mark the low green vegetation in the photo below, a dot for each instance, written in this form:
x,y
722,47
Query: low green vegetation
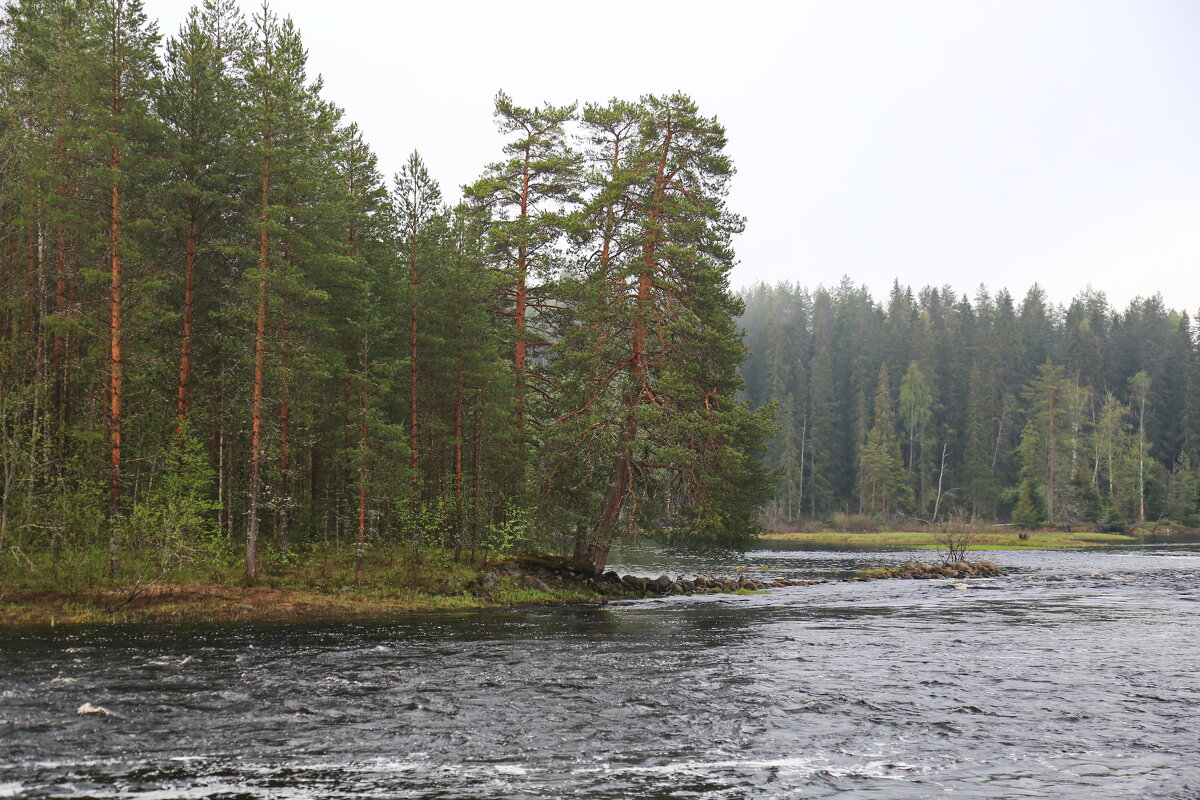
x,y
317,582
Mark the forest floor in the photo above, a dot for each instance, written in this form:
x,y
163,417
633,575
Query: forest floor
x,y
314,585
1001,539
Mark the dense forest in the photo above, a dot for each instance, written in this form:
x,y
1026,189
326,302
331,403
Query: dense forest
x,y
937,406
224,335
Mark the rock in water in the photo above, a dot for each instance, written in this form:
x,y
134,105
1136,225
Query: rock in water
x,y
88,708
635,583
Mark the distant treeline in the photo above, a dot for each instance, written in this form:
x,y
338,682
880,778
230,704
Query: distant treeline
x,y
222,330
935,405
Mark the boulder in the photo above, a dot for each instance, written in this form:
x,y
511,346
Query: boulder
x,y
537,584
489,578
635,583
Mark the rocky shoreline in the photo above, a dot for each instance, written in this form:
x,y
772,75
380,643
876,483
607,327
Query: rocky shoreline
x,y
548,575
516,582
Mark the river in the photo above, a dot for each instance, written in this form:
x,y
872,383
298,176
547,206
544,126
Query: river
x,y
1078,676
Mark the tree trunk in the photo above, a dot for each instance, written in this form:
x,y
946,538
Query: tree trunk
x,y
285,416
362,470
259,358
610,512
619,486
520,308
458,467
413,446
184,394
114,348
941,472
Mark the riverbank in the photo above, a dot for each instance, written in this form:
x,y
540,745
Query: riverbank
x,y
1001,539
321,586
316,584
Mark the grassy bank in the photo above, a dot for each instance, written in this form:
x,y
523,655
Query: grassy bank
x,y
312,584
1002,539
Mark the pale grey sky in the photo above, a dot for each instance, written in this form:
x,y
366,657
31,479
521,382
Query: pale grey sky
x,y
934,141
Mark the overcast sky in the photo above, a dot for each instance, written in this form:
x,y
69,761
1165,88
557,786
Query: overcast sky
x,y
953,142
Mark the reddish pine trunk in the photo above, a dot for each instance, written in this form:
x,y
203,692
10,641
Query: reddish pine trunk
x,y
361,547
114,355
614,501
458,467
56,357
183,399
521,300
259,357
285,416
620,483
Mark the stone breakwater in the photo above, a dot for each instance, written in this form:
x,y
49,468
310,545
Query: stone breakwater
x,y
547,575
665,585
912,570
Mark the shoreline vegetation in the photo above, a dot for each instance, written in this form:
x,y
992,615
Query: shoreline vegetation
x,y
999,538
319,583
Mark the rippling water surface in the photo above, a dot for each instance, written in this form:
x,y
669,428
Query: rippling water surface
x,y
1076,677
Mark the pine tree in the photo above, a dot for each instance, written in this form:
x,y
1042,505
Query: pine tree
x,y
418,201
525,197
125,72
656,398
200,103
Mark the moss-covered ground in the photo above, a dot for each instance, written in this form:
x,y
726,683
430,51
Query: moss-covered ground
x,y
311,584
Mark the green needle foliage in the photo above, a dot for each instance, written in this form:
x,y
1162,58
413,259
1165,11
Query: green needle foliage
x,y
221,334
1024,412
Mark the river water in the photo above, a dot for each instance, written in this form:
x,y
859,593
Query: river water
x,y
1078,676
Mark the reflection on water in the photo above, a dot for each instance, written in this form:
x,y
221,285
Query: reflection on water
x,y
1075,677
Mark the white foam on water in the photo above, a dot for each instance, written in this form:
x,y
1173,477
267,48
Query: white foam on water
x,y
11,789
799,766
511,769
209,790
